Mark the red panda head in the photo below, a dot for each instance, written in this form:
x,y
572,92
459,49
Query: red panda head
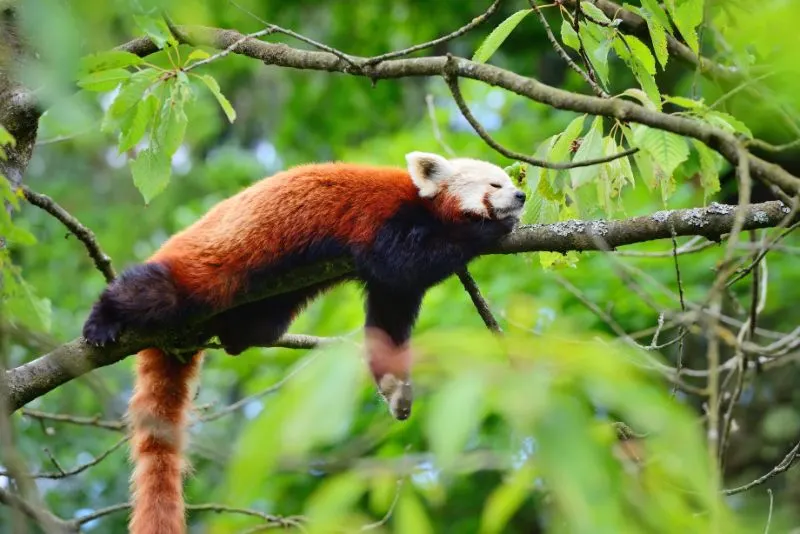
x,y
477,187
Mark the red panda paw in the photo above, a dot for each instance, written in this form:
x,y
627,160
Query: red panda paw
x,y
99,332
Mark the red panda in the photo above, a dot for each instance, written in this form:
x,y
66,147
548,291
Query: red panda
x,y
406,231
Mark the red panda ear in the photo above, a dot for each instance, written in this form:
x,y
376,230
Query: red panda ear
x,y
427,171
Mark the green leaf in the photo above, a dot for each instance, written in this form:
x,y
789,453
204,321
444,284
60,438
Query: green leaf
x,y
641,96
687,16
541,208
654,9
709,169
151,172
658,33
23,305
493,41
684,102
20,236
156,29
557,260
727,122
667,149
105,80
569,36
410,516
172,128
455,411
223,102
506,499
335,497
138,118
552,179
110,59
594,12
6,138
591,147
640,52
197,55
643,161
129,96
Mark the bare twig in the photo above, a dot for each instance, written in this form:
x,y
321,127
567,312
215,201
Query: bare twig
x,y
385,519
471,286
681,330
75,420
474,23
61,473
563,53
437,133
84,234
452,83
783,466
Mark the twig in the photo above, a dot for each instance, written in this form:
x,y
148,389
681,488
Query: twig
x,y
273,28
229,49
474,23
84,234
471,286
784,465
389,512
75,420
769,515
681,330
437,133
563,53
61,473
452,83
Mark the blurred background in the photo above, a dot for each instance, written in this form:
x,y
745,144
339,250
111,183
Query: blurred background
x,y
287,117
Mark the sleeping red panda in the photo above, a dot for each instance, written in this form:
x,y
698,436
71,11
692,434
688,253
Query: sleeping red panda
x,y
406,231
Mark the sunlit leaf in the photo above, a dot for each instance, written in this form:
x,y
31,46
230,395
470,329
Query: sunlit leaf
x,y
506,499
109,59
454,413
104,80
727,121
684,102
410,516
155,27
667,149
591,148
687,16
223,102
133,130
172,127
129,96
151,172
197,55
493,41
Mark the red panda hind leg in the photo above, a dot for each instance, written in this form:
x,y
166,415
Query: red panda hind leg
x,y
390,317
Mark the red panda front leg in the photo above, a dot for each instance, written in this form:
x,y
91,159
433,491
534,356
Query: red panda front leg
x,y
391,315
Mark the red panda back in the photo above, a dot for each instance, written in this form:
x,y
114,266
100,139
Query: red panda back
x,y
282,213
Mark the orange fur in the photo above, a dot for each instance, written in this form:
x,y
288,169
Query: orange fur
x,y
159,412
256,226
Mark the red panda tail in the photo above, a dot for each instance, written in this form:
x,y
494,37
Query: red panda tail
x,y
158,413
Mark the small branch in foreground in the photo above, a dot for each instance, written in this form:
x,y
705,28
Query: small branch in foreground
x,y
471,286
783,466
452,83
84,234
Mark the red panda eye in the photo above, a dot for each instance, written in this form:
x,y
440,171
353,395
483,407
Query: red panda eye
x,y
496,186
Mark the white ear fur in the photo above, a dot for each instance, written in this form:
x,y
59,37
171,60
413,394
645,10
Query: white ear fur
x,y
427,170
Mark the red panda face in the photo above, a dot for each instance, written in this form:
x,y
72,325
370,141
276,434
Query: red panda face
x,y
479,187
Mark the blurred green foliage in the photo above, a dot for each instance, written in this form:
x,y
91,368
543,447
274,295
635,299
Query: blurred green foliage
x,y
506,436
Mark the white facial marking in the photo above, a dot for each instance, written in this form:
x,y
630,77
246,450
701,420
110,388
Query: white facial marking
x,y
473,182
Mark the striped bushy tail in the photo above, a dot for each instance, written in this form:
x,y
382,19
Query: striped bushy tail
x,y
158,411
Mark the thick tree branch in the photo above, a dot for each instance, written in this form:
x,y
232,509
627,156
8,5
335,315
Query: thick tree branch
x,y
35,378
285,56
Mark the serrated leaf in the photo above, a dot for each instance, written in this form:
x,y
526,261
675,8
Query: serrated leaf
x,y
105,80
667,149
658,33
647,83
594,12
493,41
172,128
223,102
506,499
197,55
568,35
727,122
110,59
687,16
139,117
684,102
129,96
641,96
654,8
454,412
410,516
591,148
156,29
709,170
640,51
151,172
643,162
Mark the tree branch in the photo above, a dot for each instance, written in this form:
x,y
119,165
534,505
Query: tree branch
x,y
282,55
75,358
